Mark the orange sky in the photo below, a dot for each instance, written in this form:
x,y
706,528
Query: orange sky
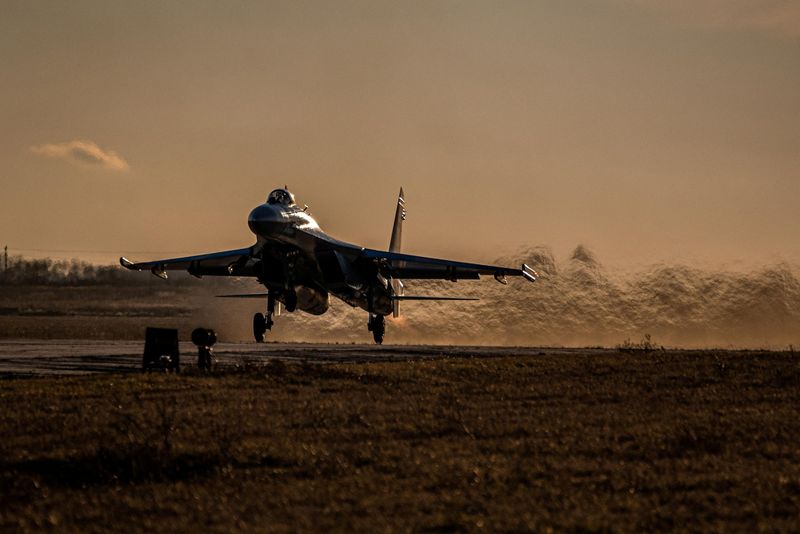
x,y
645,132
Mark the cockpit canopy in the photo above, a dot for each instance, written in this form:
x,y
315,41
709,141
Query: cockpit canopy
x,y
282,197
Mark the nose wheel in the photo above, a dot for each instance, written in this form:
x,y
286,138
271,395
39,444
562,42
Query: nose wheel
x,y
377,325
263,323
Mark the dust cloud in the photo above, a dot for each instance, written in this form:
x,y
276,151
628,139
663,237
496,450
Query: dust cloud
x,y
576,302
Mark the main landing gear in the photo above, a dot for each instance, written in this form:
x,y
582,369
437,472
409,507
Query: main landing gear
x,y
377,325
261,323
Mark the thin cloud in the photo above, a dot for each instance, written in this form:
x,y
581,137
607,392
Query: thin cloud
x,y
83,152
779,18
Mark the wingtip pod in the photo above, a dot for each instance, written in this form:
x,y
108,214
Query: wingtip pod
x,y
529,274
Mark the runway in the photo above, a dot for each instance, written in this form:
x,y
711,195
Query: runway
x,y
25,357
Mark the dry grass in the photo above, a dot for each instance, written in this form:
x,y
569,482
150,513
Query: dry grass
x,y
95,312
629,442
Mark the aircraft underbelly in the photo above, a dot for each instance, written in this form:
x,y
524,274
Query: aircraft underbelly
x,y
381,303
326,264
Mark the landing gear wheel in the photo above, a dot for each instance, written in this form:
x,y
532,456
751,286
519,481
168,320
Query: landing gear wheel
x,y
290,300
378,327
259,327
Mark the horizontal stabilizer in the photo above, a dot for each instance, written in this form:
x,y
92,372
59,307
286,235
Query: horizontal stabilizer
x,y
411,297
244,296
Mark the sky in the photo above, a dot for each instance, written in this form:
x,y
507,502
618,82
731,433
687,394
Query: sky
x,y
647,131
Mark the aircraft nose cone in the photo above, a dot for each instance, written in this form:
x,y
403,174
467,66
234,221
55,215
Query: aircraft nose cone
x,y
266,220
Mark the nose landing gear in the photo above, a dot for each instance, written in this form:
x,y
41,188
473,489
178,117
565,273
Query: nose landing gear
x,y
377,325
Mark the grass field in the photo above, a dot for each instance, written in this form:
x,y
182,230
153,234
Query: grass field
x,y
610,442
88,312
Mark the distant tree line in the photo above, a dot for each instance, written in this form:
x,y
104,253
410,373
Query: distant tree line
x,y
25,271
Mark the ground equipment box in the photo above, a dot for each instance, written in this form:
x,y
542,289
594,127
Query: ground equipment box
x,y
161,350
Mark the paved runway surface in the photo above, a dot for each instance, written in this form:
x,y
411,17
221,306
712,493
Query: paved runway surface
x,y
40,357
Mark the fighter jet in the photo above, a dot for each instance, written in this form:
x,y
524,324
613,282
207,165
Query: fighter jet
x,y
301,267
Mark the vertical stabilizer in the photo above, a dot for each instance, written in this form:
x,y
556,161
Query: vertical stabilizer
x,y
395,244
397,229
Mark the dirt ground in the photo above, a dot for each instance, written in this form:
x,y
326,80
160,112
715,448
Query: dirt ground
x,y
498,440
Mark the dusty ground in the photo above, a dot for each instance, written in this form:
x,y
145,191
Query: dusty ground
x,y
505,440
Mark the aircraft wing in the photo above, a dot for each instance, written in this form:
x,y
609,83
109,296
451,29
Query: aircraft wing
x,y
225,263
409,267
